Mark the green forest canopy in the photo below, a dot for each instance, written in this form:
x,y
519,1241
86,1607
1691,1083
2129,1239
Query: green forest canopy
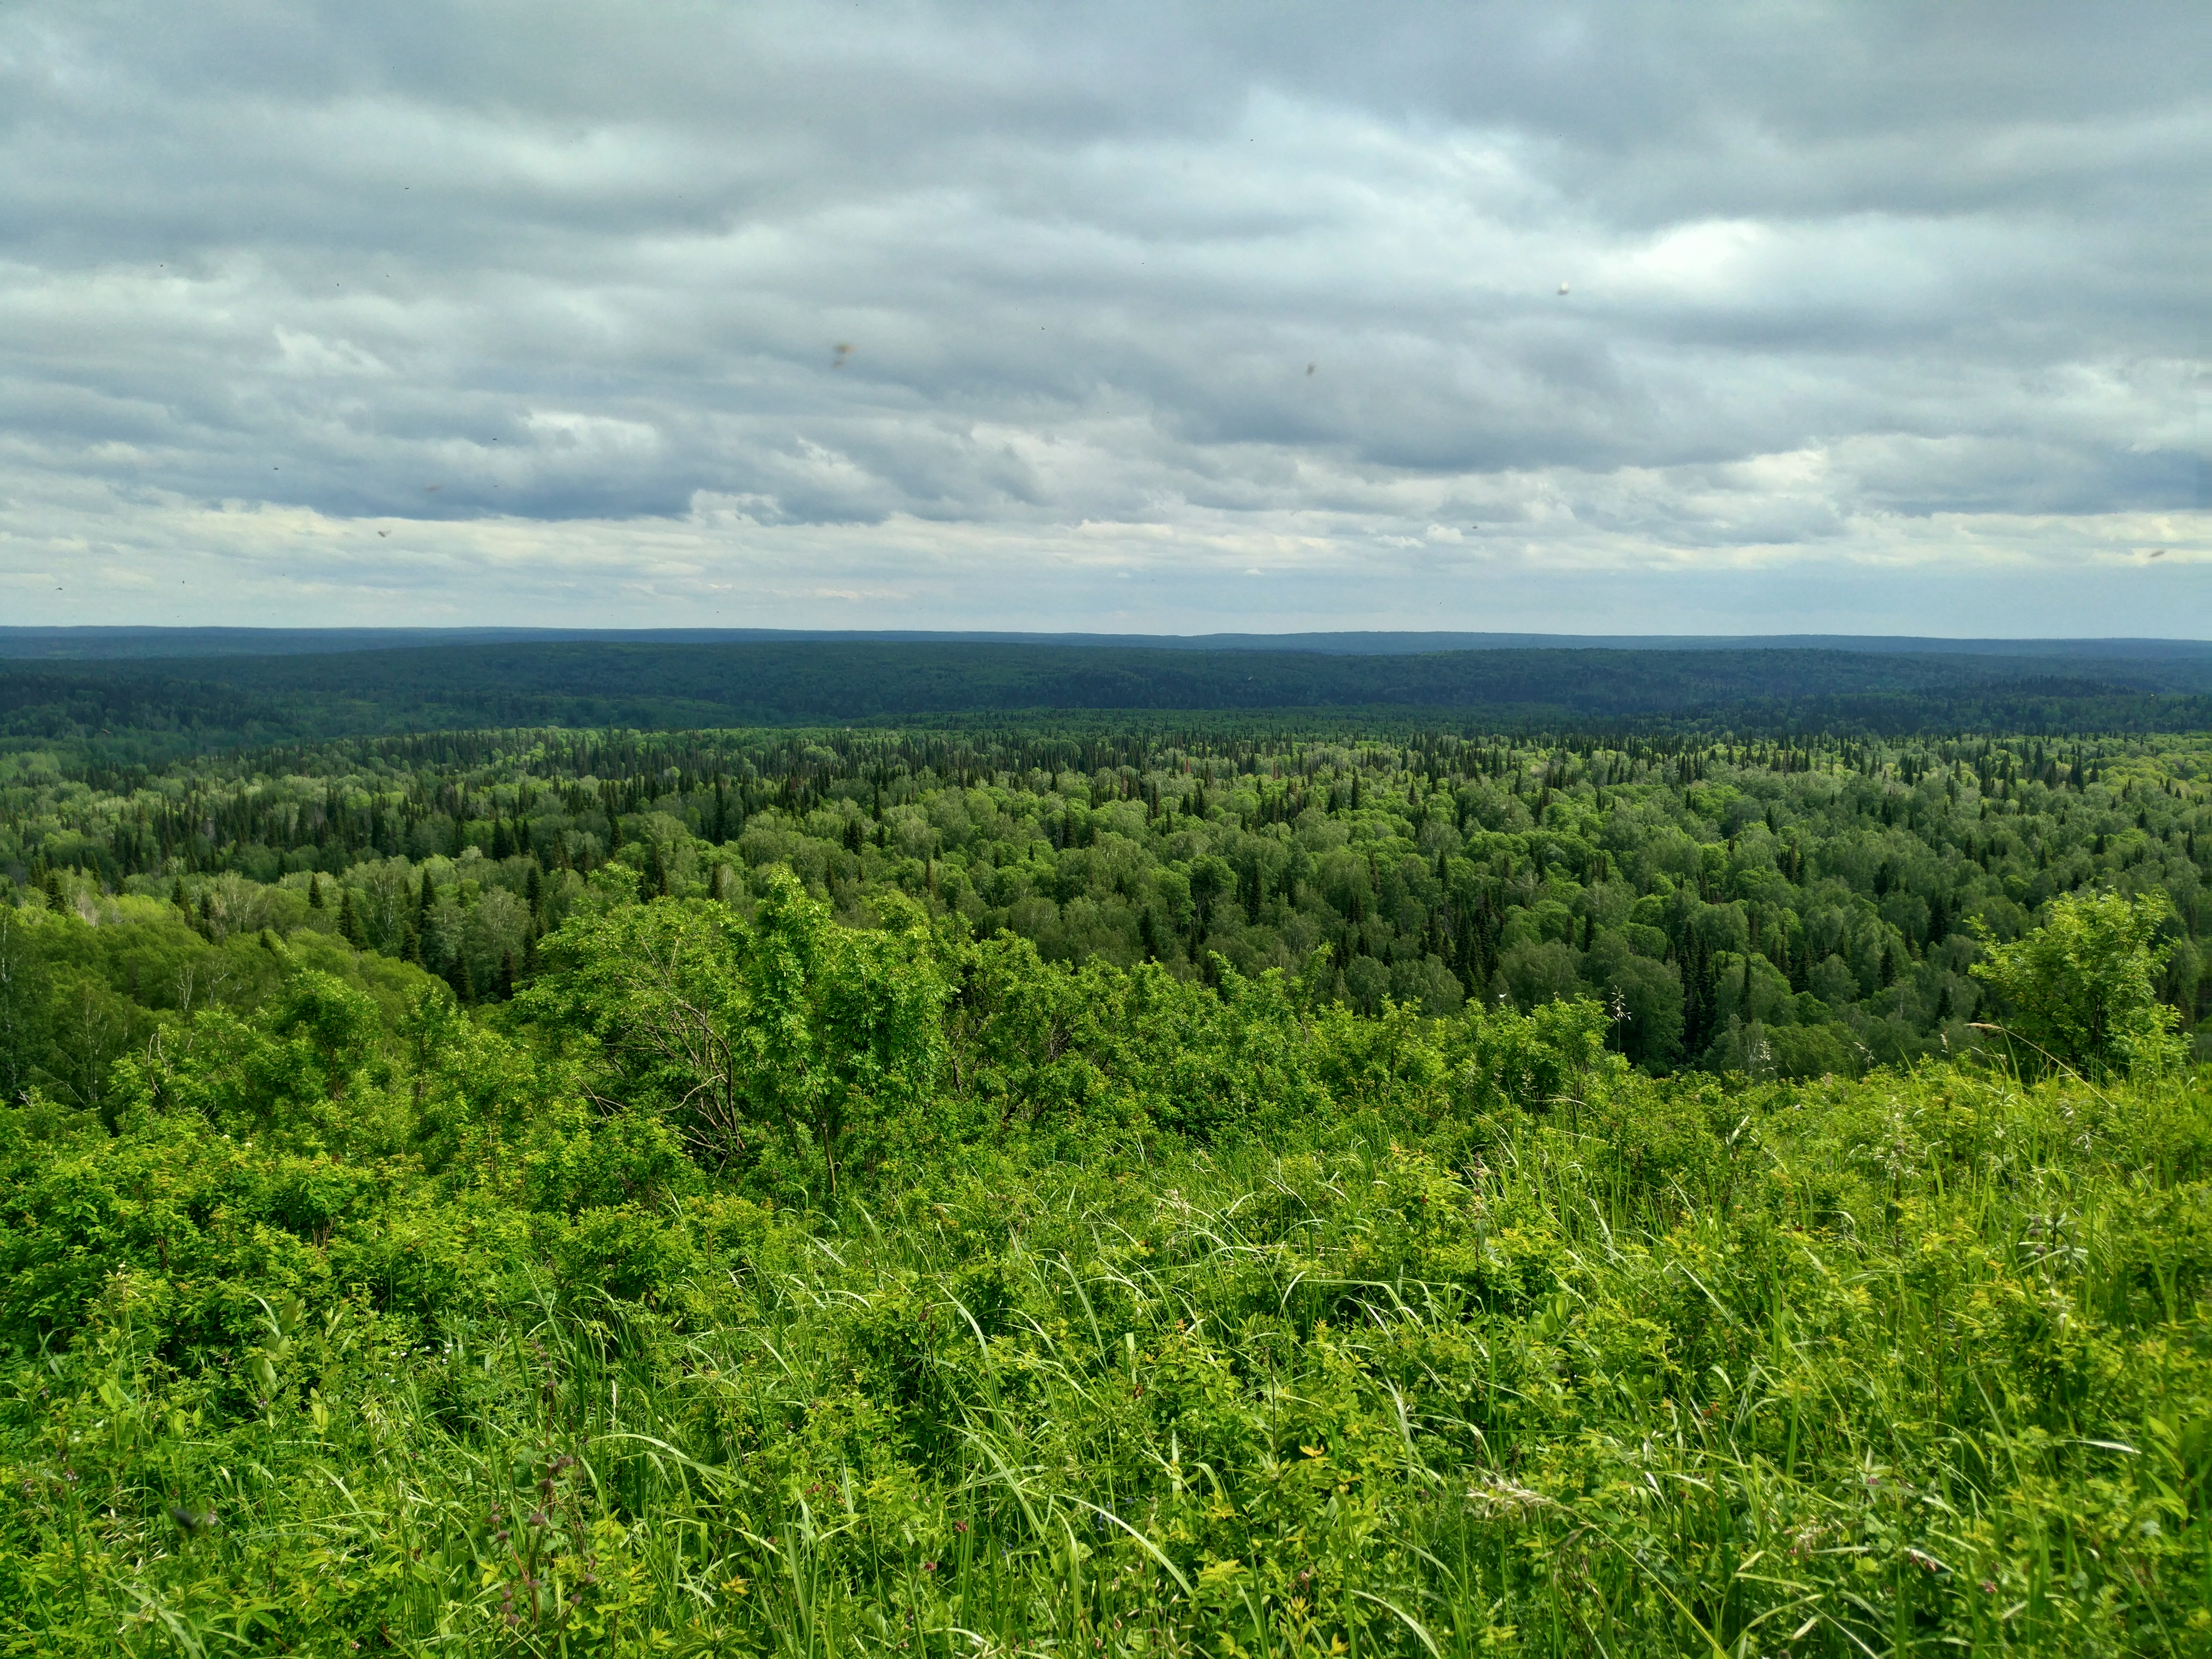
x,y
154,708
1787,908
1200,1190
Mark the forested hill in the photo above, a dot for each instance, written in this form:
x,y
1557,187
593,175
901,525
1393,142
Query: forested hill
x,y
1802,908
153,706
95,644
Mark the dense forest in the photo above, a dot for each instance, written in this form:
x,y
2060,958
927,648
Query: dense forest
x,y
1216,1188
1780,908
152,707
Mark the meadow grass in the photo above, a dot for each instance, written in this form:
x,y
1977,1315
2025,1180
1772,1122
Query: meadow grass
x,y
1917,1363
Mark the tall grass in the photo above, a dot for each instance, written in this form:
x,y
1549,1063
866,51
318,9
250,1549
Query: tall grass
x,y
1914,1365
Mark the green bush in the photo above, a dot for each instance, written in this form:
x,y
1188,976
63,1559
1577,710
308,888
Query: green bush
x,y
2081,990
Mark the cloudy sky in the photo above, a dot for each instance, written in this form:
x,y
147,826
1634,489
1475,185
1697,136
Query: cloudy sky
x,y
1174,319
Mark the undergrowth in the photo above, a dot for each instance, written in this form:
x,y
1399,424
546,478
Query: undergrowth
x,y
1916,1364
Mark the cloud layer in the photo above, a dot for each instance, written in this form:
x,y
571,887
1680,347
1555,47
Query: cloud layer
x,y
1176,319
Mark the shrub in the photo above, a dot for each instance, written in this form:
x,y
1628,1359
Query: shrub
x,y
2081,990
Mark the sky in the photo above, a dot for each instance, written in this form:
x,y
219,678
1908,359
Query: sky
x,y
1636,319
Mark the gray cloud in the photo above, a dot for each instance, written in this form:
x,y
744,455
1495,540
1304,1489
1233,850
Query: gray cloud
x,y
1035,316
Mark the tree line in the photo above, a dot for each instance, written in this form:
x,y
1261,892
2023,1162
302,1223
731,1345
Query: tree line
x,y
1787,907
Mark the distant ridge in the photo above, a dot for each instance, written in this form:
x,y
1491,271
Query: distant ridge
x,y
98,643
246,689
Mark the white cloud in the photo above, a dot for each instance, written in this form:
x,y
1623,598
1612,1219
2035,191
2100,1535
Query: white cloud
x,y
1865,303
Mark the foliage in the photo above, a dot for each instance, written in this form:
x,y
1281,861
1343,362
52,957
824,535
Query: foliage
x,y
2084,986
1785,908
208,693
796,1262
791,1025
1648,1366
